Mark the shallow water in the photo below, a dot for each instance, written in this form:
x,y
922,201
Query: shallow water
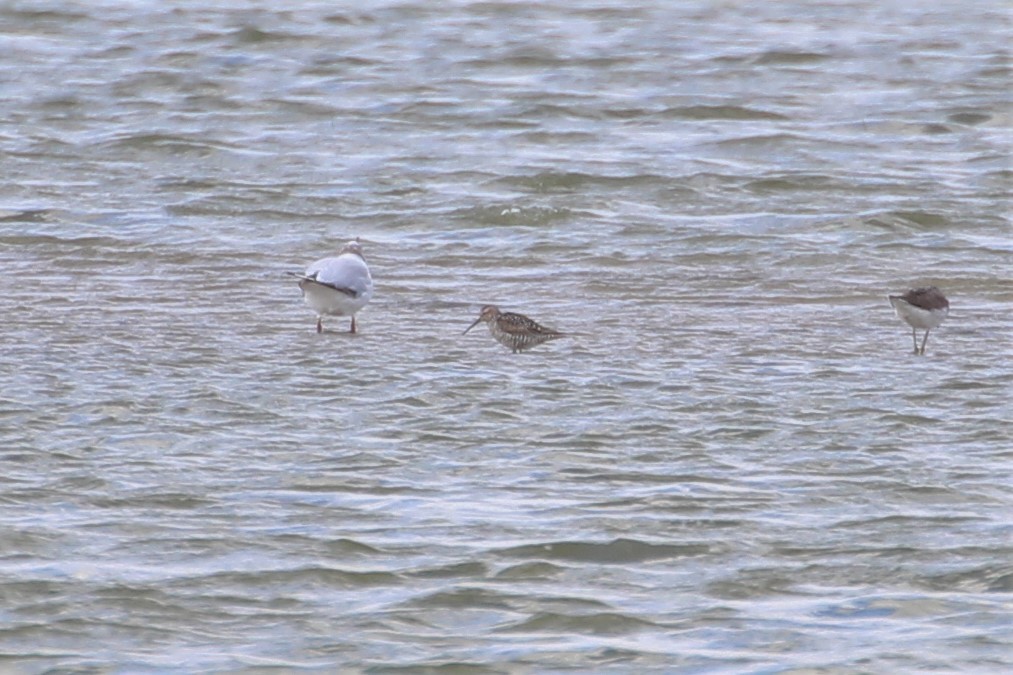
x,y
733,464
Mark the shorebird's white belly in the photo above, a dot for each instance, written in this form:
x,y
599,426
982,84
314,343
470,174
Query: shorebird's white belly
x,y
916,317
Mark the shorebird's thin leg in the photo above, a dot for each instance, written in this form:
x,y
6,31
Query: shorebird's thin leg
x,y
320,325
924,340
914,336
353,325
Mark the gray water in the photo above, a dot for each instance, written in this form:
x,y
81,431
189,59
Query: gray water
x,y
733,464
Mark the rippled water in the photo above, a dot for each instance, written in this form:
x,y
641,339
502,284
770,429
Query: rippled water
x,y
734,464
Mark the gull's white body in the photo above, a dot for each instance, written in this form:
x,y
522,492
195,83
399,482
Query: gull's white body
x,y
340,285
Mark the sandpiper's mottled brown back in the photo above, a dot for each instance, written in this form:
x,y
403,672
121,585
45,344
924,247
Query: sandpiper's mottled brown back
x,y
928,298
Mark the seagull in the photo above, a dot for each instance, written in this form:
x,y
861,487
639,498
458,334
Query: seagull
x,y
923,308
515,331
339,285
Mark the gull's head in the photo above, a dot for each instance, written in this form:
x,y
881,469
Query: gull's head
x,y
352,247
488,313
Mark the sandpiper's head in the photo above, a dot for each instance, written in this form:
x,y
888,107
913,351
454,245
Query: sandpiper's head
x,y
488,313
352,247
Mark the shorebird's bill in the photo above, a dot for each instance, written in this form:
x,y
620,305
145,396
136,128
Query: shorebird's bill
x,y
477,321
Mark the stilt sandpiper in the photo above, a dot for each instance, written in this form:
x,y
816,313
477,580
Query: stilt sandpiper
x,y
922,308
515,331
337,286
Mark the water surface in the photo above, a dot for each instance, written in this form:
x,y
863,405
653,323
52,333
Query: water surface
x,y
734,464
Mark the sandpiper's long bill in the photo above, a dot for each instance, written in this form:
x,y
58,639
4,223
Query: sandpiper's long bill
x,y
337,286
922,308
515,331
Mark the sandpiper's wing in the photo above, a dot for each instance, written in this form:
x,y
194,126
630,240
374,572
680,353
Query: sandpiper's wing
x,y
518,324
929,298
